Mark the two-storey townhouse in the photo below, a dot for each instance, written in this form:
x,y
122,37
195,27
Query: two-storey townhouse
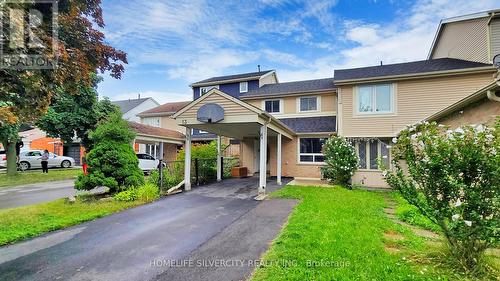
x,y
369,105
376,103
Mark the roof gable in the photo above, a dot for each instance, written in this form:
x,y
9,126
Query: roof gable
x,y
229,103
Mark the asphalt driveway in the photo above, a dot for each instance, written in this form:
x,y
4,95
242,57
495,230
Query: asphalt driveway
x,y
216,222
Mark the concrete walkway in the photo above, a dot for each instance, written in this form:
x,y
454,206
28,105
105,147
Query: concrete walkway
x,y
219,221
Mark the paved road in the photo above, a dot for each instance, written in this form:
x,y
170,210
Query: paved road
x,y
221,219
37,193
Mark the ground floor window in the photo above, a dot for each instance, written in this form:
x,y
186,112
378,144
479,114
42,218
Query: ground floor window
x,y
370,151
153,150
311,150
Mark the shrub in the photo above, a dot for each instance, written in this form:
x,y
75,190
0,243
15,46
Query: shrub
x,y
341,161
127,195
145,193
148,192
452,177
112,161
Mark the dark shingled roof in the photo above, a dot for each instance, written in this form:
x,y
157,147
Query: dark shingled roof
x,y
168,108
291,87
413,67
325,124
127,105
234,77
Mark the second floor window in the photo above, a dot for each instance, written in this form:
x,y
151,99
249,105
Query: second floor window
x,y
308,104
243,87
151,121
204,90
273,106
375,99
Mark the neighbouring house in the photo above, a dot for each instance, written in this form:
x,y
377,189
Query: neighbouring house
x,y
163,143
38,140
160,117
131,107
474,37
282,126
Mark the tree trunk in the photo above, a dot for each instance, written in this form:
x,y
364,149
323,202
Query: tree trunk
x,y
10,149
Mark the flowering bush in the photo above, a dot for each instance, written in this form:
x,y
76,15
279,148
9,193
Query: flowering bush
x,y
341,161
452,177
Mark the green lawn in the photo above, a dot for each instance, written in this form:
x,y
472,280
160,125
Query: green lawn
x,y
339,234
25,222
22,178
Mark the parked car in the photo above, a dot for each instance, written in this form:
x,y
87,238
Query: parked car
x,y
31,159
3,159
147,163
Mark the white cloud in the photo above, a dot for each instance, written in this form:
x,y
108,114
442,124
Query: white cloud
x,y
408,37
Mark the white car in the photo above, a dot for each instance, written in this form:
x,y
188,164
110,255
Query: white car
x,y
147,163
31,159
3,159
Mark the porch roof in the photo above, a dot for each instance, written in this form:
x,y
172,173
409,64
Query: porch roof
x,y
240,118
150,133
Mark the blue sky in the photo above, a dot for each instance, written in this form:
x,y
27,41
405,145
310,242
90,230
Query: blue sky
x,y
171,44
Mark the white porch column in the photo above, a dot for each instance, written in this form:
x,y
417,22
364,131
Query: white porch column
x,y
187,160
278,160
219,156
161,151
263,159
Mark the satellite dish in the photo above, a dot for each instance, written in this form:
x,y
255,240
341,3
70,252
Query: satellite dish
x,y
496,61
210,113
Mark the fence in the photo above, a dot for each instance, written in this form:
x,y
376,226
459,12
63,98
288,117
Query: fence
x,y
203,170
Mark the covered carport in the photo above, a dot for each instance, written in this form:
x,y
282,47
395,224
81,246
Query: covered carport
x,y
221,114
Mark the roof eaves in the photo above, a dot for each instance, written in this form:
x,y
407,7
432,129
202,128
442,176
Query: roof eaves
x,y
226,81
416,75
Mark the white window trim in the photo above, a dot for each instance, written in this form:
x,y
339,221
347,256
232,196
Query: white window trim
x,y
244,83
318,104
209,88
375,113
281,105
309,154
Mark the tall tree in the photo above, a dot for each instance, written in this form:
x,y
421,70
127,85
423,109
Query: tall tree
x,y
25,95
76,115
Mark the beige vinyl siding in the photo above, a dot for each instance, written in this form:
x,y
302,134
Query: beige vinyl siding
x,y
414,100
167,122
495,37
328,103
230,107
467,40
